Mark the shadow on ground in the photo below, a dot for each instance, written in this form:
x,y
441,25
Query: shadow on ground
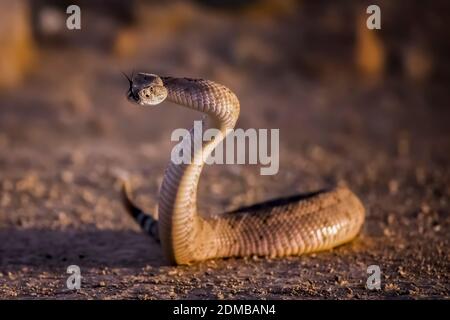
x,y
49,249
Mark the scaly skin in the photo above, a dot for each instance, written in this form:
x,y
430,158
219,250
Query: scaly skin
x,y
291,226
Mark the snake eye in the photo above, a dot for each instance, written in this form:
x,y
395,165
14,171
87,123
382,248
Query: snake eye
x,y
145,93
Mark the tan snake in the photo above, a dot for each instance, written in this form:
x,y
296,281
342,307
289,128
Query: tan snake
x,y
282,227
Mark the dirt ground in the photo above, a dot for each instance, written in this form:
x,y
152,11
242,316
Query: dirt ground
x,y
67,133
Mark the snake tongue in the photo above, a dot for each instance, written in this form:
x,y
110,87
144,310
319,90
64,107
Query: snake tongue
x,y
130,93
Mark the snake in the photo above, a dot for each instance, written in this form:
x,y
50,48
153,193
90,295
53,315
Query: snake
x,y
288,226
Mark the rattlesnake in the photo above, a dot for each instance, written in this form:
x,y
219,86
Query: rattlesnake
x,y
282,227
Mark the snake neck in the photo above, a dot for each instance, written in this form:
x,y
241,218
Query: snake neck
x,y
182,230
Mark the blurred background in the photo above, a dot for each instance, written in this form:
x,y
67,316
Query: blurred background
x,y
364,108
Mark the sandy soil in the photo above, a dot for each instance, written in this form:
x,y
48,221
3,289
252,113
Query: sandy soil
x,y
68,132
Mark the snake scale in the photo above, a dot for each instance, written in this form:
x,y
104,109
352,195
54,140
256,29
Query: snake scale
x,y
288,226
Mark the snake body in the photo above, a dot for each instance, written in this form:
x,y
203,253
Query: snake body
x,y
282,227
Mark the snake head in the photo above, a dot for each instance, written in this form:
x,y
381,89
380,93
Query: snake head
x,y
146,89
